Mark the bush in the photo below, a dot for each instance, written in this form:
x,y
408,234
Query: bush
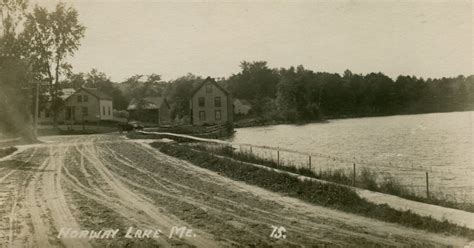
x,y
368,180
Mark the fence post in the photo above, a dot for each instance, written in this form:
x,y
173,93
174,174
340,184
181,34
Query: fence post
x,y
354,175
427,187
309,162
278,157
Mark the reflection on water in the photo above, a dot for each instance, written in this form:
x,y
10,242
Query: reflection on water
x,y
403,146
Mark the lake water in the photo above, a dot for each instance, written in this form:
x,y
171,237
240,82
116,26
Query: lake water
x,y
403,146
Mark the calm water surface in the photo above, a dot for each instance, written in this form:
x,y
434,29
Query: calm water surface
x,y
402,146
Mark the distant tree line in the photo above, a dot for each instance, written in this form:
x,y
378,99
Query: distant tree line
x,y
300,95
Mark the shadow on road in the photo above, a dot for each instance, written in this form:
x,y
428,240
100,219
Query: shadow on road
x,y
21,165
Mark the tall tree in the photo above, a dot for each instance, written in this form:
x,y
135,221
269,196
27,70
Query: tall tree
x,y
100,81
256,80
15,98
49,38
180,91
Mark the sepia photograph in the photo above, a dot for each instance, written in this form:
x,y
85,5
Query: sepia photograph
x,y
236,123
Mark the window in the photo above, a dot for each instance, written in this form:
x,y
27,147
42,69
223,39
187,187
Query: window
x,y
208,88
85,98
79,98
46,113
85,111
202,101
218,115
109,110
202,115
103,110
217,101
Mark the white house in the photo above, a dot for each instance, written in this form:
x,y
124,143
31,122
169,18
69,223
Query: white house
x,y
82,105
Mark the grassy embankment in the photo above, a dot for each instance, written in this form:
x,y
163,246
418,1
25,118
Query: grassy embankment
x,y
366,179
327,195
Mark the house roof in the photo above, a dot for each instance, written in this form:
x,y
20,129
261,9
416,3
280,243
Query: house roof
x,y
95,92
67,92
243,102
148,103
209,79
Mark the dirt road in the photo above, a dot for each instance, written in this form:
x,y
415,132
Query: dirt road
x,y
52,193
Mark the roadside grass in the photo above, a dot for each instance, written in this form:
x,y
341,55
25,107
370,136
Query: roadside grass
x,y
77,129
328,195
137,135
366,179
7,151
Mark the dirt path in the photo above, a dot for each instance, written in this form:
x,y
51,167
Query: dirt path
x,y
103,182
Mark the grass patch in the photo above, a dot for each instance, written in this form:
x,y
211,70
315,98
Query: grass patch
x,y
7,151
138,135
366,179
76,129
327,195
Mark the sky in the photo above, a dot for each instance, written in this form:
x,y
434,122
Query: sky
x,y
210,38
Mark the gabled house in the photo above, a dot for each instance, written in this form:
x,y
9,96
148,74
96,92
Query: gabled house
x,y
211,104
87,105
82,105
241,106
150,109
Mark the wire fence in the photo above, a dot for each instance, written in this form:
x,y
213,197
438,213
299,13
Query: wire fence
x,y
421,180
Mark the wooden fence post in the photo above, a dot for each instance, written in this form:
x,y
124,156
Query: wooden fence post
x,y
427,187
278,157
354,175
309,162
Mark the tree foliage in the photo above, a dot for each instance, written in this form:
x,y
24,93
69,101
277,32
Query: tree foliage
x,y
12,12
254,81
15,76
48,39
100,81
180,92
299,94
15,98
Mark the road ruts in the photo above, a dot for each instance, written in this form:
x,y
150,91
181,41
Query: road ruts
x,y
56,184
13,180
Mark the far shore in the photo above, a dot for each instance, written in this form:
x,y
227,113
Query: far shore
x,y
259,122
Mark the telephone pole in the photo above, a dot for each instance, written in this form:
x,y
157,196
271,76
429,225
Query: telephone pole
x,y
35,128
35,123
